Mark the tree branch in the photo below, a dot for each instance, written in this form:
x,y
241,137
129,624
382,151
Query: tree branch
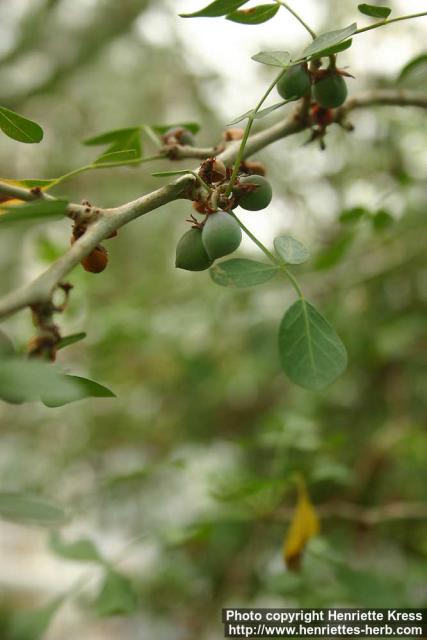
x,y
368,516
391,97
107,221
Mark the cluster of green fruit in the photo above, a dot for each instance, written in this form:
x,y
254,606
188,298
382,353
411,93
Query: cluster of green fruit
x,y
221,234
327,86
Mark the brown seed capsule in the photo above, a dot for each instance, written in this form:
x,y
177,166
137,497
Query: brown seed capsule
x,y
253,167
212,170
96,261
219,171
233,134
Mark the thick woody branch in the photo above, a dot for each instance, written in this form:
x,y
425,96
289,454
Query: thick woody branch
x,y
109,220
41,289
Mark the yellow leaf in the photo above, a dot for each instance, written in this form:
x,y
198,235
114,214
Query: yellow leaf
x,y
304,525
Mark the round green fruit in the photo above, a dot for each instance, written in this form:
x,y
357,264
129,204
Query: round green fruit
x,y
295,83
191,253
221,235
330,91
6,346
256,198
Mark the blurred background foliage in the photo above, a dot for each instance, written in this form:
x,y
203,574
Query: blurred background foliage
x,y
185,482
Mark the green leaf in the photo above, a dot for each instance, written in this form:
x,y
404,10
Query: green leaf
x,y
215,9
311,352
329,39
19,128
381,220
291,250
415,71
266,112
27,509
43,184
273,58
66,341
259,114
32,625
240,273
23,380
374,11
117,596
116,158
248,114
256,15
350,216
333,254
33,211
166,174
125,147
337,48
193,127
110,137
83,550
81,388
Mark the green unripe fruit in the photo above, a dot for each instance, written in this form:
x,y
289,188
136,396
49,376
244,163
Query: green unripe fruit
x,y
191,253
221,235
330,91
295,83
6,346
253,199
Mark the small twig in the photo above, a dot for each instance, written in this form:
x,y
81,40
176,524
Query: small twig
x,y
383,23
181,152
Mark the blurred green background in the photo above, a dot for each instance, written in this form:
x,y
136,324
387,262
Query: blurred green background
x,y
185,481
